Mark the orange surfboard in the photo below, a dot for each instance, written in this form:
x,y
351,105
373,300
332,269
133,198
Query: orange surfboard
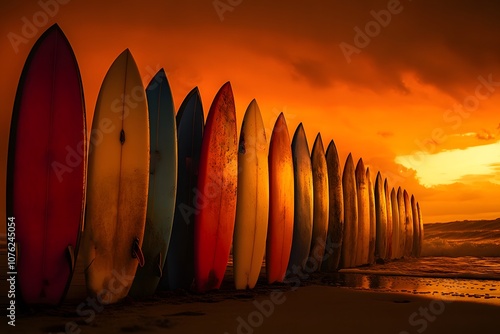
x,y
281,207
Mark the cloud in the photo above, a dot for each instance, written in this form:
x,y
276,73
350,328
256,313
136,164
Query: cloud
x,y
485,135
385,134
474,179
313,72
473,201
463,141
468,134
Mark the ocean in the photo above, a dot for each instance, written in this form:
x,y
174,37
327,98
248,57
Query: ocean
x,y
460,261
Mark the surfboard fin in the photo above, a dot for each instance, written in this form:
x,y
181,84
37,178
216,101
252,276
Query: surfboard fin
x,y
137,252
91,255
70,256
160,269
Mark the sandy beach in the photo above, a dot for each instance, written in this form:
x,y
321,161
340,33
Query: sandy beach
x,y
311,308
322,302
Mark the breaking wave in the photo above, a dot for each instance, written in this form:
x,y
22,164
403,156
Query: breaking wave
x,y
459,239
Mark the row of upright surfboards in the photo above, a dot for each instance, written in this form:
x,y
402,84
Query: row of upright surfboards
x,y
153,200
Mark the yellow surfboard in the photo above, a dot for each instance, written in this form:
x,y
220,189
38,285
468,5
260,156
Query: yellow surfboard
x,y
402,224
416,227
252,209
421,227
388,203
395,225
381,218
409,225
118,175
363,195
373,217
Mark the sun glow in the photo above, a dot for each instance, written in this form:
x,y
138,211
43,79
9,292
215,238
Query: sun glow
x,y
459,165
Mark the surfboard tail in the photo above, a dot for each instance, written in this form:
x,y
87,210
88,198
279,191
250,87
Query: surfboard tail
x,y
137,252
159,273
70,256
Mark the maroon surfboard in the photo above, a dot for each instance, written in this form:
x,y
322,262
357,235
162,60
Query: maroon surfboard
x,y
46,169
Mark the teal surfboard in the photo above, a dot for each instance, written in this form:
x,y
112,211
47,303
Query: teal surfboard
x,y
162,185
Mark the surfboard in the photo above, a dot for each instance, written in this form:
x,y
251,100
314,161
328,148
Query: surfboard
x,y
395,225
402,223
335,234
321,203
252,207
281,202
178,271
217,190
421,236
388,203
416,227
381,214
373,218
117,183
363,239
408,225
303,202
349,243
46,169
162,185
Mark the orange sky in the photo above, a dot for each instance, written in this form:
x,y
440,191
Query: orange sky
x,y
396,103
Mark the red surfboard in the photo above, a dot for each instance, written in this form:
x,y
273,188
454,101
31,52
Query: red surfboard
x,y
215,199
46,168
